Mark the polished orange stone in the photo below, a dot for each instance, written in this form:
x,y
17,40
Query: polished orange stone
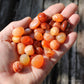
x,y
27,40
54,44
58,17
61,37
34,24
37,61
42,17
17,66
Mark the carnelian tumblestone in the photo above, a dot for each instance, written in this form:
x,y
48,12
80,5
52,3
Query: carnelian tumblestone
x,y
20,48
34,24
51,23
58,17
19,31
29,50
48,37
39,50
38,36
42,17
27,31
24,59
48,52
61,37
39,30
17,66
54,31
64,25
37,61
45,26
45,43
57,24
16,39
54,44
37,44
27,40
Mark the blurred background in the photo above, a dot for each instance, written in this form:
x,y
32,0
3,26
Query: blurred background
x,y
70,69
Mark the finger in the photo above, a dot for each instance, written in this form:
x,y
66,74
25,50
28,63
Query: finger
x,y
6,33
69,10
71,38
57,8
24,22
74,20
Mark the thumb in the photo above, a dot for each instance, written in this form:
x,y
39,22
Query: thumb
x,y
6,33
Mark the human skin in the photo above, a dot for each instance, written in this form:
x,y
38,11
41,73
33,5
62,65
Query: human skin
x,y
30,74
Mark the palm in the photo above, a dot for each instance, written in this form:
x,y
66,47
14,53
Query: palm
x,y
30,74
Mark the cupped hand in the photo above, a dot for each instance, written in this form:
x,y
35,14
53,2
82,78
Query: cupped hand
x,y
30,74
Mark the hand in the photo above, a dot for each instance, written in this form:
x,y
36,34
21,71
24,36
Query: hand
x,y
32,75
